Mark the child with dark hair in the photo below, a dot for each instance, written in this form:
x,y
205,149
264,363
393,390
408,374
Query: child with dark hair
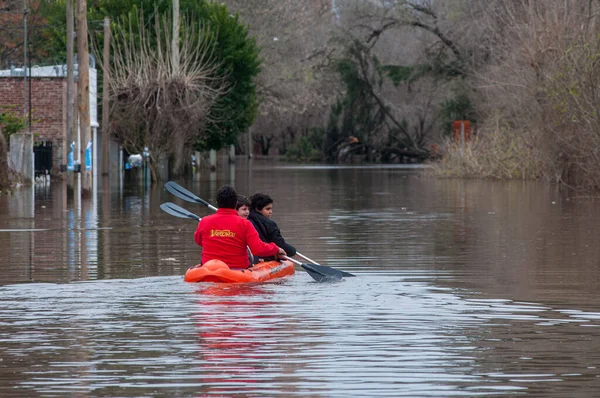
x,y
261,209
225,235
243,206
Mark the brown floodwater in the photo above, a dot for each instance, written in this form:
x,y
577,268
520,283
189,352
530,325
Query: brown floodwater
x,y
462,288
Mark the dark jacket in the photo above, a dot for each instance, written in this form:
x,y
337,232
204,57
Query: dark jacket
x,y
268,231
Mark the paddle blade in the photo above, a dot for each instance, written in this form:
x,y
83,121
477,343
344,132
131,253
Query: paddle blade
x,y
178,211
324,274
345,274
182,193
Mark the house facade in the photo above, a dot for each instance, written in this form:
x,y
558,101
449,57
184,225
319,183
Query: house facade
x,y
47,102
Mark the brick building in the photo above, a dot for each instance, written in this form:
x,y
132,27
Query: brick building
x,y
48,111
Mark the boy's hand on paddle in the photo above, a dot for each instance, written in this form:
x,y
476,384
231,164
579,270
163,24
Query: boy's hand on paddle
x,y
281,253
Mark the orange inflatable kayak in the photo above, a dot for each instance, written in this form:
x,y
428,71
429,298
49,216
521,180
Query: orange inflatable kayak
x,y
218,271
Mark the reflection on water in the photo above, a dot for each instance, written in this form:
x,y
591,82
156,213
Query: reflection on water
x,y
240,333
463,288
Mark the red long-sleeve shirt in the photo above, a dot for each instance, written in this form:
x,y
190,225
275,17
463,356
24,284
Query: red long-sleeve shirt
x,y
225,235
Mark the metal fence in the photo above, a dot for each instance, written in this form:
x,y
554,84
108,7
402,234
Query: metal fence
x,y
42,152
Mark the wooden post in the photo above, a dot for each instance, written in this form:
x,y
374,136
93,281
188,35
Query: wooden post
x,y
106,96
231,154
249,142
462,137
70,77
175,39
212,159
198,161
83,91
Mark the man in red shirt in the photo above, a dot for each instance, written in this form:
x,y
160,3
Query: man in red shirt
x,y
225,235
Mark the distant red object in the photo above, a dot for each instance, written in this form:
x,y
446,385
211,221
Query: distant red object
x,y
457,125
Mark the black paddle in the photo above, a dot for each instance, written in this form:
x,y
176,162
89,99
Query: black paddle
x,y
184,194
318,273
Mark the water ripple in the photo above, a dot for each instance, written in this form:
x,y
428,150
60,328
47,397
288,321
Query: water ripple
x,y
387,334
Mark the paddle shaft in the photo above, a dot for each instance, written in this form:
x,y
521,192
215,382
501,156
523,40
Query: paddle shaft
x,y
292,260
306,258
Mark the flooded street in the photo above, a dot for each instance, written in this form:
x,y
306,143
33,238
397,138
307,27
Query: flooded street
x,y
462,288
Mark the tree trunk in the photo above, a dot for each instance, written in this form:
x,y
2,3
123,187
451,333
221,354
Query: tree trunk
x,y
152,164
175,38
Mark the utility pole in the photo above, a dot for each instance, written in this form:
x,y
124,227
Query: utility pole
x,y
105,96
70,76
25,64
83,91
175,41
28,166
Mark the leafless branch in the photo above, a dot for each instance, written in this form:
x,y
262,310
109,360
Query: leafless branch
x,y
153,105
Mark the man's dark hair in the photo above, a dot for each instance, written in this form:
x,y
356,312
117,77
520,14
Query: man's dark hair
x,y
227,197
258,201
242,201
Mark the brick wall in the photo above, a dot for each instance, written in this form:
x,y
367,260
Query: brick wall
x,y
48,110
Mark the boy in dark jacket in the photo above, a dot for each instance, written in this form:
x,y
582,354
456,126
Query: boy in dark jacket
x,y
261,209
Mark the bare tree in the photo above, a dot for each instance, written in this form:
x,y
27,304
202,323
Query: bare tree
x,y
540,78
154,105
295,87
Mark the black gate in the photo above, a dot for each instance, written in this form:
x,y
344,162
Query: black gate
x,y
42,152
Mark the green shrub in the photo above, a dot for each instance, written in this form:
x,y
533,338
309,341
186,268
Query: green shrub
x,y
10,124
307,147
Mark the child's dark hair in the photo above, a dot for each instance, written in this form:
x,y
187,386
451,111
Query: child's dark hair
x,y
259,200
242,201
227,197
